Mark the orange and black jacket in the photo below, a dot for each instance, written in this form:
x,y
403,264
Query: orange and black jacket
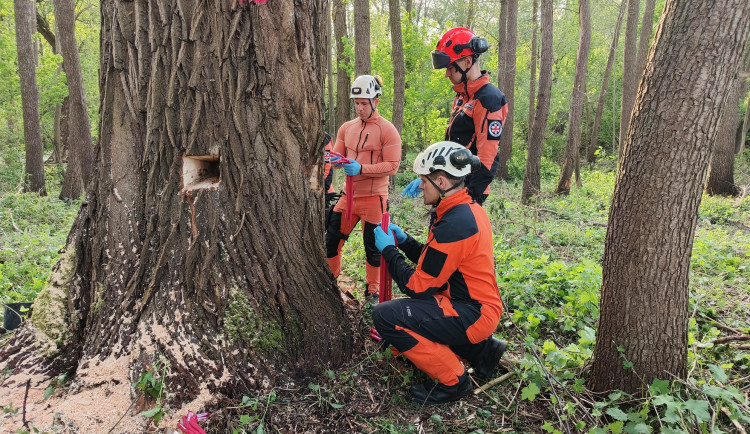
x,y
479,112
455,265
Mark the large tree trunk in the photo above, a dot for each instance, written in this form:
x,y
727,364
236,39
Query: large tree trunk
x,y
25,17
720,178
630,75
80,147
594,139
570,161
532,175
343,81
200,240
644,303
532,67
508,87
399,69
362,63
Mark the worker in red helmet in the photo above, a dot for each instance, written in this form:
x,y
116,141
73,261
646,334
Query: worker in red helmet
x,y
479,108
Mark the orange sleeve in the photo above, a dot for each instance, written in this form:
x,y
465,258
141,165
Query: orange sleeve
x,y
487,145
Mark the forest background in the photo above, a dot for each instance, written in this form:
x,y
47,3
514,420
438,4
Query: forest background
x,y
549,253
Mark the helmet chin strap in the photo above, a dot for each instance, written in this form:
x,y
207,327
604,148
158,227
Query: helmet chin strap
x,y
464,72
440,190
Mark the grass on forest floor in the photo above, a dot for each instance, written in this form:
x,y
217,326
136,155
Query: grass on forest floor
x,y
548,259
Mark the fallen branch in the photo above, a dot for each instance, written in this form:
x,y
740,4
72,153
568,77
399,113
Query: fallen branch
x,y
25,396
494,382
734,338
734,422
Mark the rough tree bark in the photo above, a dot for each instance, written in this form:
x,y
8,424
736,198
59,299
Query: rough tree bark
x,y
25,17
594,139
362,63
570,160
399,69
331,113
223,277
502,37
630,76
532,175
508,87
644,309
79,145
343,81
532,66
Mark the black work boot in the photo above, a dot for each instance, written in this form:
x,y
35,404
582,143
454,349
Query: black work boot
x,y
484,368
430,393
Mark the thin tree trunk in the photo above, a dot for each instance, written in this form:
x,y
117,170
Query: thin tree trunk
x,y
502,38
362,63
532,66
343,81
570,161
594,139
740,147
532,175
630,75
644,309
647,25
80,146
332,126
399,69
720,178
745,80
25,17
511,41
199,242
470,15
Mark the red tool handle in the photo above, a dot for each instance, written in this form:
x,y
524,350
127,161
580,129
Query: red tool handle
x,y
349,185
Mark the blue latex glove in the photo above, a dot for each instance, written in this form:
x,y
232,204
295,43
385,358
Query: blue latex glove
x,y
335,161
383,240
400,234
352,168
413,190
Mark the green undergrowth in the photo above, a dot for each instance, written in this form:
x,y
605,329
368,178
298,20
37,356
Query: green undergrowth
x,y
548,262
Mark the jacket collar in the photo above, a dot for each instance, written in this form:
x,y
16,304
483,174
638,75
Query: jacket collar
x,y
375,116
449,202
472,86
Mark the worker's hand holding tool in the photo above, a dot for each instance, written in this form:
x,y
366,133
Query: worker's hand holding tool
x,y
413,190
382,239
400,234
351,167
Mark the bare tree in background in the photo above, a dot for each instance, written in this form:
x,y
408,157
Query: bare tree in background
x,y
630,74
362,63
79,144
532,175
570,160
25,17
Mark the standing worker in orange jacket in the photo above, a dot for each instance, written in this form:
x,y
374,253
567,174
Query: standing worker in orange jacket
x,y
453,305
479,108
373,146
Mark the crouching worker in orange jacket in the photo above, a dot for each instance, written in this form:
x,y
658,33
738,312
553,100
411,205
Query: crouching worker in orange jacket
x,y
454,305
371,147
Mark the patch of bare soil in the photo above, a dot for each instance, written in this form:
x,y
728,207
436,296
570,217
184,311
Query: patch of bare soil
x,y
370,394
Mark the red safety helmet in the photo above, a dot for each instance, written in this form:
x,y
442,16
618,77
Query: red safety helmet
x,y
455,44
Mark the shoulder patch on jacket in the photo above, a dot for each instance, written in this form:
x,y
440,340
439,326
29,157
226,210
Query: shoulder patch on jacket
x,y
433,261
456,225
494,129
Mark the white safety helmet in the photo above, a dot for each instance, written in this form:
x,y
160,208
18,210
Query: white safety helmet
x,y
367,86
450,157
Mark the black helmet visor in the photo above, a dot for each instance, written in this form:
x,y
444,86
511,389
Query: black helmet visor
x,y
440,60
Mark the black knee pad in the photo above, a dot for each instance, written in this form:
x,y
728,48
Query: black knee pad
x,y
371,252
334,235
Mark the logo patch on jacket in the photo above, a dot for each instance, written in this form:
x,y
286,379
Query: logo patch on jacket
x,y
494,129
